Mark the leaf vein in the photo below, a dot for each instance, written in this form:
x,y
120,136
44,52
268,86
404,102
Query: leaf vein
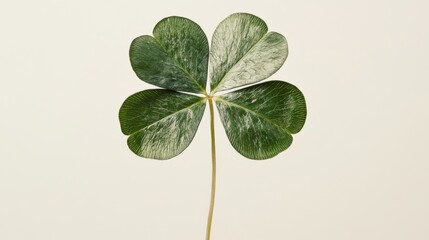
x,y
254,113
167,116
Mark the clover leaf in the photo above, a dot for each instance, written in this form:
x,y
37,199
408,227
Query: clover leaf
x,y
259,119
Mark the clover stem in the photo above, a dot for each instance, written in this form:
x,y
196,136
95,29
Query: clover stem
x,y
213,189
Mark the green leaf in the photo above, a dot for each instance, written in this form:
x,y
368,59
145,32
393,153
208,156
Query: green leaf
x,y
244,52
161,123
260,119
176,57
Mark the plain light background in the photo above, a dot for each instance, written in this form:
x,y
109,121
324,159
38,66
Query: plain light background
x,y
358,170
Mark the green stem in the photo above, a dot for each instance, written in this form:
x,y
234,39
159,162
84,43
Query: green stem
x,y
213,191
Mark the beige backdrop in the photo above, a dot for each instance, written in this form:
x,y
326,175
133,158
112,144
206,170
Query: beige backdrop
x,y
358,170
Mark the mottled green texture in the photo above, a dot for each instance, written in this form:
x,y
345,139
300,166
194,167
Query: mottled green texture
x,y
176,57
260,119
161,123
244,52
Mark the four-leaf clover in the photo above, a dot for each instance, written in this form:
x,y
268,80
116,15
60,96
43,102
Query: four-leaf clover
x,y
259,120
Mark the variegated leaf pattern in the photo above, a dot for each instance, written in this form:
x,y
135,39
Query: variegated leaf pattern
x,y
161,123
176,57
244,52
260,120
